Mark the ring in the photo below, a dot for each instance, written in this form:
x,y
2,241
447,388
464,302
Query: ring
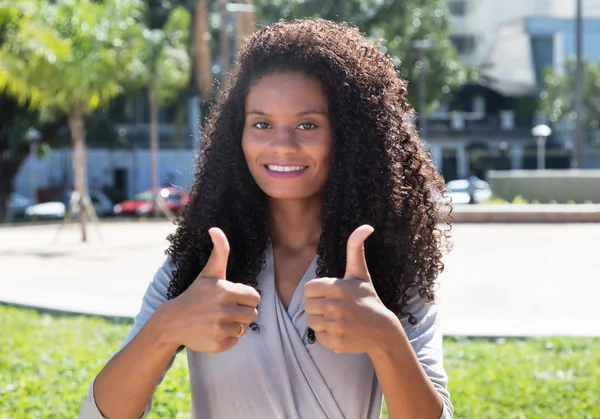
x,y
241,331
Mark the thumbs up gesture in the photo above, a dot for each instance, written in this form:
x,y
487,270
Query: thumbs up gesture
x,y
346,313
213,313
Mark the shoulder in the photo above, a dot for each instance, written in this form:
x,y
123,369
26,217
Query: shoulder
x,y
157,291
420,318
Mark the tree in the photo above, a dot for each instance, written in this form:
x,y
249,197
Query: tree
x,y
70,57
167,71
202,60
397,25
557,100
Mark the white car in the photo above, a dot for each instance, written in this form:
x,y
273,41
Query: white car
x,y
56,210
18,203
459,191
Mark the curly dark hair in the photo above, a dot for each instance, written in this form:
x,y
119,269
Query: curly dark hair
x,y
381,172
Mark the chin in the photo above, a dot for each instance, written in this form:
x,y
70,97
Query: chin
x,y
291,195
287,196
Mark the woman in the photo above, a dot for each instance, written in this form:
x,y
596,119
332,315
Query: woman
x,y
308,155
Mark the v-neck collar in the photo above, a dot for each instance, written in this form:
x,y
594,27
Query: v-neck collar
x,y
296,306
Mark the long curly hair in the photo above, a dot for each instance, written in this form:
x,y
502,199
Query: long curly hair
x,y
381,172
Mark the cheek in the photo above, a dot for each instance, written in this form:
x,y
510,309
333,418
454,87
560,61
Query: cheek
x,y
248,148
325,155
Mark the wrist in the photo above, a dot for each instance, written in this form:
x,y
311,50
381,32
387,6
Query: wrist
x,y
162,327
391,338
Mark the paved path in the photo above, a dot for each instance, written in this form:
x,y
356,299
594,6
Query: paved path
x,y
500,279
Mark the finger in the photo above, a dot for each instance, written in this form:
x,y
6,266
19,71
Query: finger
x,y
331,341
330,308
242,294
216,267
317,323
231,329
356,264
315,306
238,314
320,288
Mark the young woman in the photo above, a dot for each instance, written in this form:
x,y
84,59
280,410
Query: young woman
x,y
301,277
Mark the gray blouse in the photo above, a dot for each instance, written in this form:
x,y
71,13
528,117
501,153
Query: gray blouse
x,y
278,373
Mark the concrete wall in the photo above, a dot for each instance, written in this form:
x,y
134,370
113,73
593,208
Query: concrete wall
x,y
547,185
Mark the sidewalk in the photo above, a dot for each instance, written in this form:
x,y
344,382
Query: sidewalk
x,y
500,279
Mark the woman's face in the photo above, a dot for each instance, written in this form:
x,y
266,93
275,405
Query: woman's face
x,y
287,135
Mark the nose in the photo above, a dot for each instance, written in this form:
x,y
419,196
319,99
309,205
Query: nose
x,y
284,141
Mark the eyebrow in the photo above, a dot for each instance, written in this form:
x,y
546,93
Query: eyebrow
x,y
304,113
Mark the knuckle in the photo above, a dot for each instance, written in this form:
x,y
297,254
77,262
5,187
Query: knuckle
x,y
339,290
221,315
252,315
333,310
219,330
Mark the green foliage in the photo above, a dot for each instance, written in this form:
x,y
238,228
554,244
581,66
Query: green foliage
x,y
524,378
557,99
69,53
166,58
52,360
396,25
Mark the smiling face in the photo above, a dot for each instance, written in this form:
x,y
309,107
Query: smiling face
x,y
287,135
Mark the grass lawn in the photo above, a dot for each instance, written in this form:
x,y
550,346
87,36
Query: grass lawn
x,y
47,363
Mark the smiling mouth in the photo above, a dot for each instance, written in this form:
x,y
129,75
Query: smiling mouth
x,y
285,169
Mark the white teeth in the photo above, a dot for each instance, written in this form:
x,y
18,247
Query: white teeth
x,y
286,168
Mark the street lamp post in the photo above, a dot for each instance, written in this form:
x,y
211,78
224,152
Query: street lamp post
x,y
422,45
541,134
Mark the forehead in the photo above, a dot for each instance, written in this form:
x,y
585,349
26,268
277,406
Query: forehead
x,y
286,92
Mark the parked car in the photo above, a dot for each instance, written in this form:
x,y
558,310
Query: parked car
x,y
57,209
142,203
18,203
459,191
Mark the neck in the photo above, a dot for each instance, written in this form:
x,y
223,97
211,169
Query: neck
x,y
295,224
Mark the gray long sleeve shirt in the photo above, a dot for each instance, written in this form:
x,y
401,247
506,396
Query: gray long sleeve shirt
x,y
278,373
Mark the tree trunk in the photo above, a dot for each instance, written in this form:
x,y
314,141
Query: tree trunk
x,y
202,67
152,100
245,24
224,44
77,128
9,166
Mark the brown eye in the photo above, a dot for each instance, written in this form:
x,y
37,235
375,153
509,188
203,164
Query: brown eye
x,y
307,126
261,125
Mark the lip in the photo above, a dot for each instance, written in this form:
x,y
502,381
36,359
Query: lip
x,y
284,175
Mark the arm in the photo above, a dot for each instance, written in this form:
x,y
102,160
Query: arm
x,y
126,384
409,366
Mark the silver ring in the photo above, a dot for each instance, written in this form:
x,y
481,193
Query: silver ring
x,y
241,331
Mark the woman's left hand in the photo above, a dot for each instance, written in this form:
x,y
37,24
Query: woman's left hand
x,y
346,314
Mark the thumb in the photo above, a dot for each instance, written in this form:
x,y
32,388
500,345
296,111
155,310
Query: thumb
x,y
356,264
216,267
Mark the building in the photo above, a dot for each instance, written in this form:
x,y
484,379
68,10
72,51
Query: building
x,y
510,43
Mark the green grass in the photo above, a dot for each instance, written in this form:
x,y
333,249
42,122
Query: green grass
x,y
48,361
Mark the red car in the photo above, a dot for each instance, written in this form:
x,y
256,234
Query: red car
x,y
142,204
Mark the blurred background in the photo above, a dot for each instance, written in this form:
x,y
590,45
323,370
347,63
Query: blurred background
x,y
100,110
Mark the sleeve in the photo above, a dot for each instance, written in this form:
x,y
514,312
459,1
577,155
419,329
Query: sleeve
x,y
156,294
426,339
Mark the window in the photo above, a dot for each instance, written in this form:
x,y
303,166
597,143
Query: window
x,y
465,44
458,7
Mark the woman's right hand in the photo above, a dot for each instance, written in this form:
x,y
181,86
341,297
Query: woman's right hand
x,y
213,313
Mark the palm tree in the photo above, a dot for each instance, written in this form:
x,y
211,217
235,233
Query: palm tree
x,y
62,59
168,67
